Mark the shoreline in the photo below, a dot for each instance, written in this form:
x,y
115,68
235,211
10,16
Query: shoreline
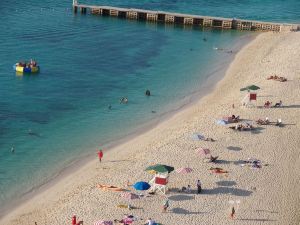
x,y
211,81
172,138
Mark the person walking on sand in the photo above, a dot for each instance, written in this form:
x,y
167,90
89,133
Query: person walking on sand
x,y
166,205
199,188
100,155
150,222
232,214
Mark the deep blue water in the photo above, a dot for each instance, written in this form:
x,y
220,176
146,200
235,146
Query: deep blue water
x,y
90,62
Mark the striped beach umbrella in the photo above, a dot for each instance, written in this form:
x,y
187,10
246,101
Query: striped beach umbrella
x,y
203,151
129,195
184,170
103,222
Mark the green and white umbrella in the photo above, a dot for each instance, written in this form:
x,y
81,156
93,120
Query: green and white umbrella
x,y
250,88
159,168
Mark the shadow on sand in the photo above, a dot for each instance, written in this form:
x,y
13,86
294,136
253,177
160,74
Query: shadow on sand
x,y
234,148
257,220
185,212
226,183
181,197
227,190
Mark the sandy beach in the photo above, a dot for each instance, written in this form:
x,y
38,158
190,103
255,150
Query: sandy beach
x,y
266,195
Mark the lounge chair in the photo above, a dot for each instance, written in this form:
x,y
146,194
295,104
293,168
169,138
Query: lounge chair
x,y
279,122
278,104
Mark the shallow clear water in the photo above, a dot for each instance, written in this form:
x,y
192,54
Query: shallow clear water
x,y
87,63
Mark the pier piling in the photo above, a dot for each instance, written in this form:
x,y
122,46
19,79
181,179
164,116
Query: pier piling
x,y
183,19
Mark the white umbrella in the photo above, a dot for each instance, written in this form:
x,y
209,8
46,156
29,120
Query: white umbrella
x,y
203,151
103,222
129,195
184,170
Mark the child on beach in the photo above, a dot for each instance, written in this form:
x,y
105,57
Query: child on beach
x,y
199,188
100,155
232,214
166,205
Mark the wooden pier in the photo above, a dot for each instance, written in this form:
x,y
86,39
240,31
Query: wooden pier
x,y
183,19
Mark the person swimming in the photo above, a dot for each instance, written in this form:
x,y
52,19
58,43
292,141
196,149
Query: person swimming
x,y
30,132
124,100
147,93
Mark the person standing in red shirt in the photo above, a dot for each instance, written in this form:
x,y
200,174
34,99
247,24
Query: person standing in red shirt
x,y
74,220
100,155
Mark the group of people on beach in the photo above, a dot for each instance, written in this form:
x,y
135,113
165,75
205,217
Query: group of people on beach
x,y
30,64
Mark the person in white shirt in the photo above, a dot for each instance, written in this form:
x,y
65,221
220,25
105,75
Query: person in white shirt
x,y
150,222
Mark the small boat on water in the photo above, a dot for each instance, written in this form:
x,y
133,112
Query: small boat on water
x,y
31,67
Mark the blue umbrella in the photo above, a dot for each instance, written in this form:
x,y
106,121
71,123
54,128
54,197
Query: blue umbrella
x,y
141,186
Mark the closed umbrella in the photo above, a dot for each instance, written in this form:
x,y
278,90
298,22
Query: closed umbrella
x,y
141,186
159,168
184,170
203,151
197,137
129,196
250,88
102,222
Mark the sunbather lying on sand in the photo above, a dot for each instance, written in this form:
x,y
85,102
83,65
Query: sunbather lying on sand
x,y
242,127
231,119
109,187
218,170
277,78
209,139
263,122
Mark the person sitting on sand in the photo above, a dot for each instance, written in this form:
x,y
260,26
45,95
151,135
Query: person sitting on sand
x,y
186,189
267,104
278,104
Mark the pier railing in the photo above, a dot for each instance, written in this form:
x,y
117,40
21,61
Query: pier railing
x,y
184,19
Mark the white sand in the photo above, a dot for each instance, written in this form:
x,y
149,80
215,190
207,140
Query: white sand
x,y
268,195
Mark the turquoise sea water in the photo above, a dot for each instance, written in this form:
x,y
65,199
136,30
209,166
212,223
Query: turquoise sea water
x,y
88,63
